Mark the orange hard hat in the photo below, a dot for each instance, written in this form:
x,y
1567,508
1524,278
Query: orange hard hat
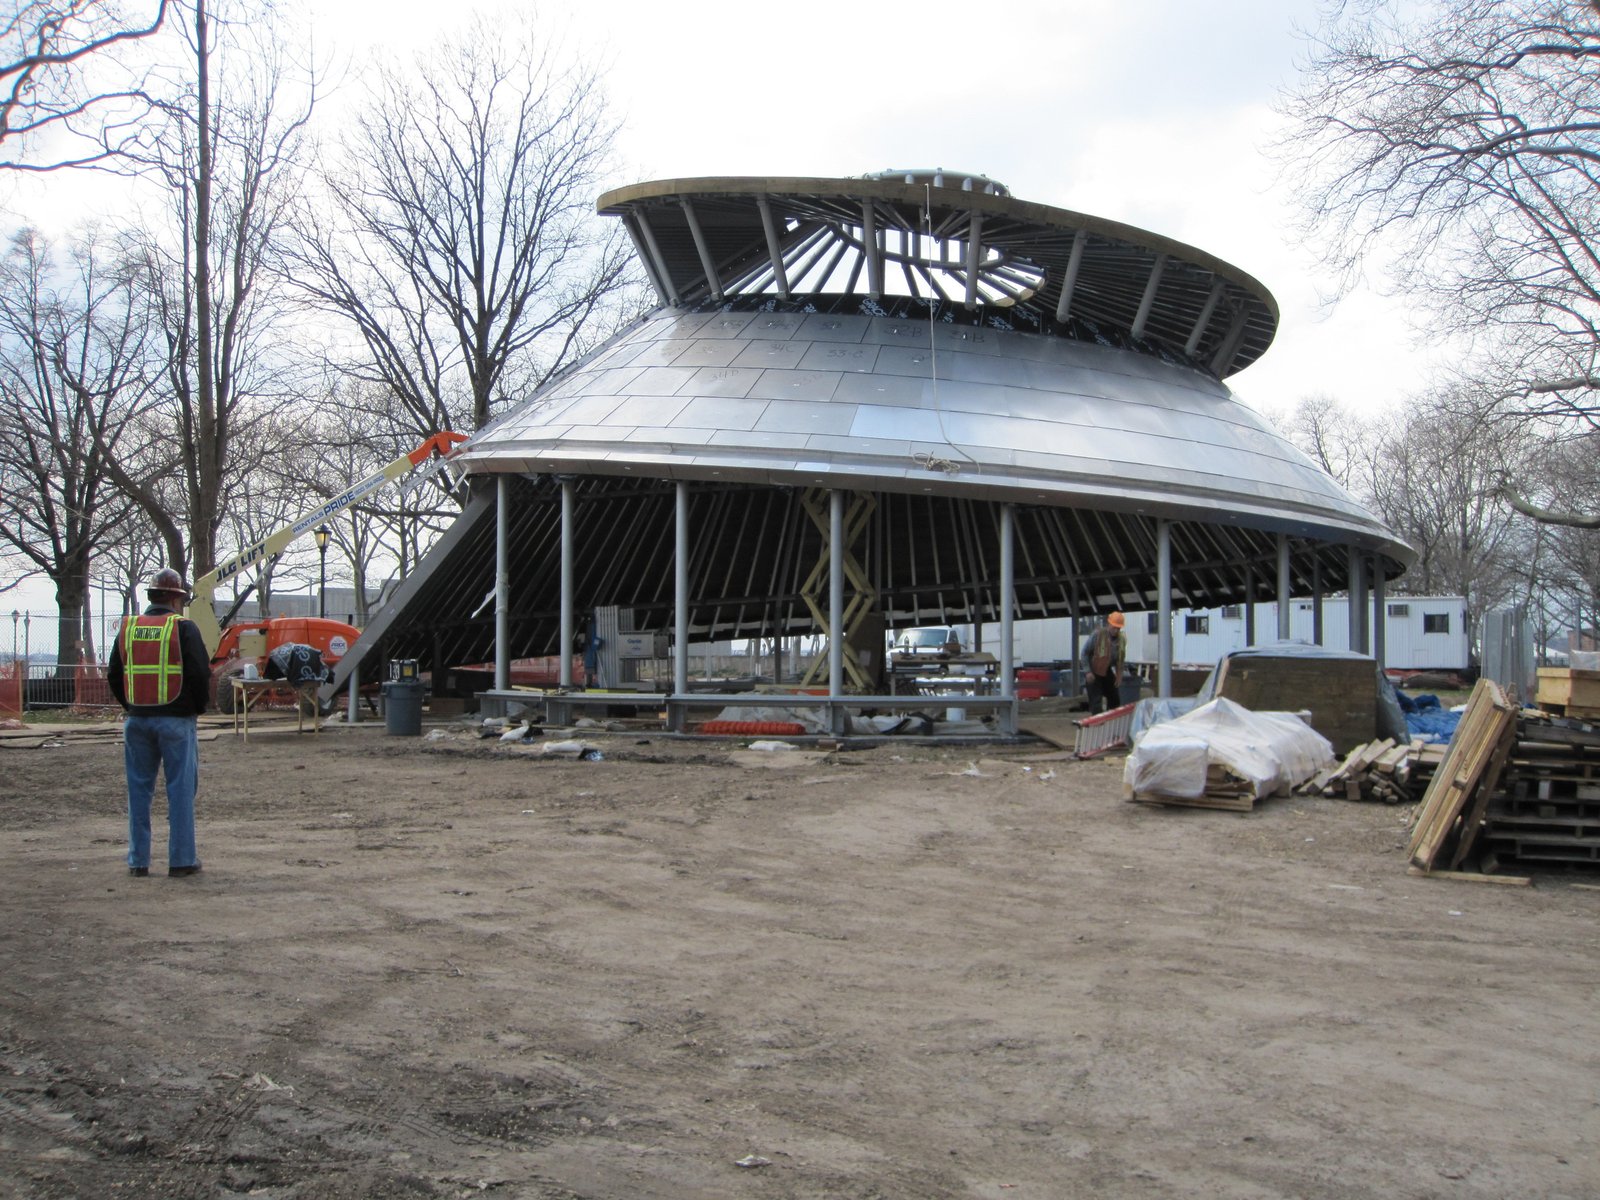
x,y
1115,620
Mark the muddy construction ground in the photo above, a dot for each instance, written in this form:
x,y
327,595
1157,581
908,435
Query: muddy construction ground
x,y
447,968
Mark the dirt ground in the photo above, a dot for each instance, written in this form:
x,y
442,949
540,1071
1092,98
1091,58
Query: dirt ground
x,y
447,968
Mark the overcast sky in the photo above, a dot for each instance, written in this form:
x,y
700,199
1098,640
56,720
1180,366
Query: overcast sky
x,y
1153,112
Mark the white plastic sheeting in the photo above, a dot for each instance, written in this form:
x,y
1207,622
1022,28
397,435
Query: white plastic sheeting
x,y
1271,752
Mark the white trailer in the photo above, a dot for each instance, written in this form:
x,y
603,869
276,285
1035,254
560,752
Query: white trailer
x,y
1420,632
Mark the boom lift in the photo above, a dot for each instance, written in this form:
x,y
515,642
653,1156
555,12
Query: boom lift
x,y
252,641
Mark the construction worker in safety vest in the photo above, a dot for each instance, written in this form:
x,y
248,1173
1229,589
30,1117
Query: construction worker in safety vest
x,y
161,675
1102,656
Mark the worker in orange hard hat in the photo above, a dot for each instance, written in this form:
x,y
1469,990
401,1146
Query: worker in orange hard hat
x,y
1102,656
161,675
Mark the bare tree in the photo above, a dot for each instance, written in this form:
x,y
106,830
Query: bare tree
x,y
50,100
462,246
228,156
71,357
1435,487
1459,142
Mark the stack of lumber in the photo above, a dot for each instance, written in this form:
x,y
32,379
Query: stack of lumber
x,y
1548,808
1381,770
1452,809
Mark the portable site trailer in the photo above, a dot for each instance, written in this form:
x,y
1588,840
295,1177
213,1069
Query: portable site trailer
x,y
1420,632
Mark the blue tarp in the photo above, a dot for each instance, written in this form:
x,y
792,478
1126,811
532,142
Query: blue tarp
x,y
1425,719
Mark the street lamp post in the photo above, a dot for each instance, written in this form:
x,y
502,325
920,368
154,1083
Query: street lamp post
x,y
322,534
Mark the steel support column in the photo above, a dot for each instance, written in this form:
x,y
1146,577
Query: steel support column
x,y
1316,599
1379,616
1164,609
564,677
1008,599
835,594
502,583
680,592
1358,597
1283,587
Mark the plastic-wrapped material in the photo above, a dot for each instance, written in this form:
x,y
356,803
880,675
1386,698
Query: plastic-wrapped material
x,y
1153,710
1270,752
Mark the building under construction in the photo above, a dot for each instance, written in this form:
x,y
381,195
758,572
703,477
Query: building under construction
x,y
904,399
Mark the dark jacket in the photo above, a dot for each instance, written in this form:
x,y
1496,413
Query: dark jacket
x,y
196,695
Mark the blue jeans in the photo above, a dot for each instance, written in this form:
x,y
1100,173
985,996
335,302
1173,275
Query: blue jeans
x,y
169,744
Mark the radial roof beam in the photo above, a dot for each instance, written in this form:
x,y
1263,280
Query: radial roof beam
x,y
769,226
869,247
1142,317
713,282
654,260
1230,344
1204,319
1069,281
974,258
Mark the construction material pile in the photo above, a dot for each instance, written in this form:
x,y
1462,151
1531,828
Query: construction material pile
x,y
1515,785
1222,755
1380,770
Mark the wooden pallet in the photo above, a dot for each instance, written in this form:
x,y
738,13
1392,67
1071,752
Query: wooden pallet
x,y
1453,806
1548,807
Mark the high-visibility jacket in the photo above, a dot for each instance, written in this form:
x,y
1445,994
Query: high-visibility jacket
x,y
152,660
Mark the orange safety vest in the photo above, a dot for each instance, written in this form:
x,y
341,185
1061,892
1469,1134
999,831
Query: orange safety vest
x,y
152,662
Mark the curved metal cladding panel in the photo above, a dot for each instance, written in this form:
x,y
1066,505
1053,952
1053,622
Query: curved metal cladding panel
x,y
905,405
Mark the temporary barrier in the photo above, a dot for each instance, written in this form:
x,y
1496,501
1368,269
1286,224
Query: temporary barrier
x,y
754,728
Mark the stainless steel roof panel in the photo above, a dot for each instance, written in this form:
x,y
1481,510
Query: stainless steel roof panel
x,y
834,327
839,356
661,381
776,326
648,410
709,352
796,385
765,352
717,412
881,389
881,421
724,381
661,353
816,417
725,325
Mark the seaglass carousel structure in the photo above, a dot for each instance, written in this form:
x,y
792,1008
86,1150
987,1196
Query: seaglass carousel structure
x,y
870,403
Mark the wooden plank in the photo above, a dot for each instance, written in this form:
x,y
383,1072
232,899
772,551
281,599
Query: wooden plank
x,y
1473,877
1390,759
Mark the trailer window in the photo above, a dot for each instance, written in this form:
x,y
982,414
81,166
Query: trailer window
x,y
1435,622
1200,624
1150,623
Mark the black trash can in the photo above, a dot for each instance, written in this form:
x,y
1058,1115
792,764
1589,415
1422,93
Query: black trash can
x,y
402,707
